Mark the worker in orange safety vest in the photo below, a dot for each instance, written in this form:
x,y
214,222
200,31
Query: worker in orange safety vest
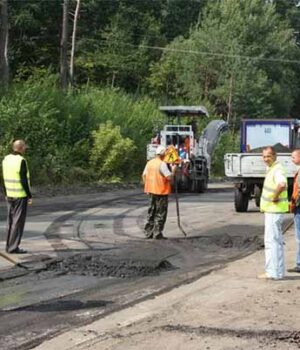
x,y
157,180
295,208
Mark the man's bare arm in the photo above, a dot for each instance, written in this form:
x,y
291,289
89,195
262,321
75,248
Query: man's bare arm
x,y
280,188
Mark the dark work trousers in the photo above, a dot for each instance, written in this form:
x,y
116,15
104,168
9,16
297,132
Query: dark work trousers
x,y
157,215
16,216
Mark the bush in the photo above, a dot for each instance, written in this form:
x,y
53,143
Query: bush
x,y
56,126
111,155
137,118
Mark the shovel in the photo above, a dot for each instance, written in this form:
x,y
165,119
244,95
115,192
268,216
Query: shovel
x,y
14,262
177,206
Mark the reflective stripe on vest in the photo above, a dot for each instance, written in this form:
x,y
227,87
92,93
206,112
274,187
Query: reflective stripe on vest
x,y
269,188
156,183
11,167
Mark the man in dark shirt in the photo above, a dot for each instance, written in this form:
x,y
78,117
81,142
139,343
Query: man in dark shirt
x,y
17,191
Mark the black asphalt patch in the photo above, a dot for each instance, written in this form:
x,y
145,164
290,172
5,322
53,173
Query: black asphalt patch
x,y
96,264
226,241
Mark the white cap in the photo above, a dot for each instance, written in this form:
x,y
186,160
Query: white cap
x,y
160,150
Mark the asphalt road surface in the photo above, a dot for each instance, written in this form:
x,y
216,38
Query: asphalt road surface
x,y
103,263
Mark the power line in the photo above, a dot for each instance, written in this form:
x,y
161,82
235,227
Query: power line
x,y
205,53
216,54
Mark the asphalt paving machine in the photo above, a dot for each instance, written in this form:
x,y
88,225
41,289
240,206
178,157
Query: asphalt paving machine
x,y
191,152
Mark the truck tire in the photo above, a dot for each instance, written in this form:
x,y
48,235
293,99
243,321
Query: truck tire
x,y
201,185
185,183
241,201
257,195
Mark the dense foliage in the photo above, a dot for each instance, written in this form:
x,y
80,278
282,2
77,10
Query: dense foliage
x,y
62,130
237,57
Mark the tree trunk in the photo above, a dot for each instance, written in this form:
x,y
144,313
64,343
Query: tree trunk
x,y
64,47
74,42
113,80
4,66
229,104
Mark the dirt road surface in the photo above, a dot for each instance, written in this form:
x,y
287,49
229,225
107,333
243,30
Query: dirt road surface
x,y
89,265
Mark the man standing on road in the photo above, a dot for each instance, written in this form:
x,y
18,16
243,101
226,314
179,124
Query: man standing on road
x,y
17,191
273,202
157,179
295,207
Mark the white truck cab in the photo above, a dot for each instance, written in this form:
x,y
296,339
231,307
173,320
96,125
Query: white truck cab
x,y
247,169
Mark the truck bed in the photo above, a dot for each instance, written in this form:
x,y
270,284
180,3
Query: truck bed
x,y
251,165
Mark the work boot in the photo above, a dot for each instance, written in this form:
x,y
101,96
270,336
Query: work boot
x,y
294,269
160,236
264,276
18,251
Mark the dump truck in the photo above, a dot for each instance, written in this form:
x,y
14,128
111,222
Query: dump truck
x,y
247,169
194,149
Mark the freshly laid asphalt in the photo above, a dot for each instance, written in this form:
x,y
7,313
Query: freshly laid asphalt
x,y
39,221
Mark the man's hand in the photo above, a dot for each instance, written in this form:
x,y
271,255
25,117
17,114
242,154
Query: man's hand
x,y
29,201
280,188
292,207
173,167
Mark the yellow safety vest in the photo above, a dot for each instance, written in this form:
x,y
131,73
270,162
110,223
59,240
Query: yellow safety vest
x,y
269,188
11,167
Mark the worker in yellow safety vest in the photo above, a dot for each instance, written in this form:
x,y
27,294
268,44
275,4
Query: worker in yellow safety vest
x,y
274,203
17,191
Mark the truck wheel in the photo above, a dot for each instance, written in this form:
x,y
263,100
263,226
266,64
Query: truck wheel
x,y
185,183
257,195
201,185
195,186
241,201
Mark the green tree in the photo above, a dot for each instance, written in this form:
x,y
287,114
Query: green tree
x,y
34,35
121,56
116,39
240,57
179,15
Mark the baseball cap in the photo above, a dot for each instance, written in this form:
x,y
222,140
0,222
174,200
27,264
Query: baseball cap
x,y
160,150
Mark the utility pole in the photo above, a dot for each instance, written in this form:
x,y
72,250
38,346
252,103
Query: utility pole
x,y
76,14
64,47
4,65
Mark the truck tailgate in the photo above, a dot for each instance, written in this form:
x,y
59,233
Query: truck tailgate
x,y
252,164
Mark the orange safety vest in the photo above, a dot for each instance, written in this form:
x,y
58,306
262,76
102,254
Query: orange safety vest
x,y
155,183
187,144
295,193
